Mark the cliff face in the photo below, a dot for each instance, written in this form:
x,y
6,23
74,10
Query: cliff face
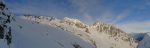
x,y
5,20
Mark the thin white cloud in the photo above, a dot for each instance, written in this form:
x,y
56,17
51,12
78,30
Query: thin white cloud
x,y
107,16
83,6
110,17
121,16
88,19
134,27
34,7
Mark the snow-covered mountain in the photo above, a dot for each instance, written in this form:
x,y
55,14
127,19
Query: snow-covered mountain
x,y
137,36
99,34
143,39
145,42
49,32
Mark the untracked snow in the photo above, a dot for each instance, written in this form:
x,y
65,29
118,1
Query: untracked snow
x,y
28,34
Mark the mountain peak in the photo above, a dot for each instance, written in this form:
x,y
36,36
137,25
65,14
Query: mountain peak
x,y
74,22
71,19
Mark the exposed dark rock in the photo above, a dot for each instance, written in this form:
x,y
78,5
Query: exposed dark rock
x,y
1,32
2,5
76,46
5,18
8,38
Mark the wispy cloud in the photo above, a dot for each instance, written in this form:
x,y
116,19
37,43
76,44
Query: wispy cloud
x,y
135,26
110,17
106,16
83,9
121,16
37,7
103,13
86,10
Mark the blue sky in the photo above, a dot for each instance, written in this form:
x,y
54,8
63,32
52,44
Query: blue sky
x,y
129,15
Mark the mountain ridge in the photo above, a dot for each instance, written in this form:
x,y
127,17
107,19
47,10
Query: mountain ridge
x,y
49,32
85,28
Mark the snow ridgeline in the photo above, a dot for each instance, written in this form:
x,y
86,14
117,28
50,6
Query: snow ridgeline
x,y
99,34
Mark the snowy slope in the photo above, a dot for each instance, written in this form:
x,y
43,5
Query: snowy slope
x,y
16,32
99,34
145,43
28,34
